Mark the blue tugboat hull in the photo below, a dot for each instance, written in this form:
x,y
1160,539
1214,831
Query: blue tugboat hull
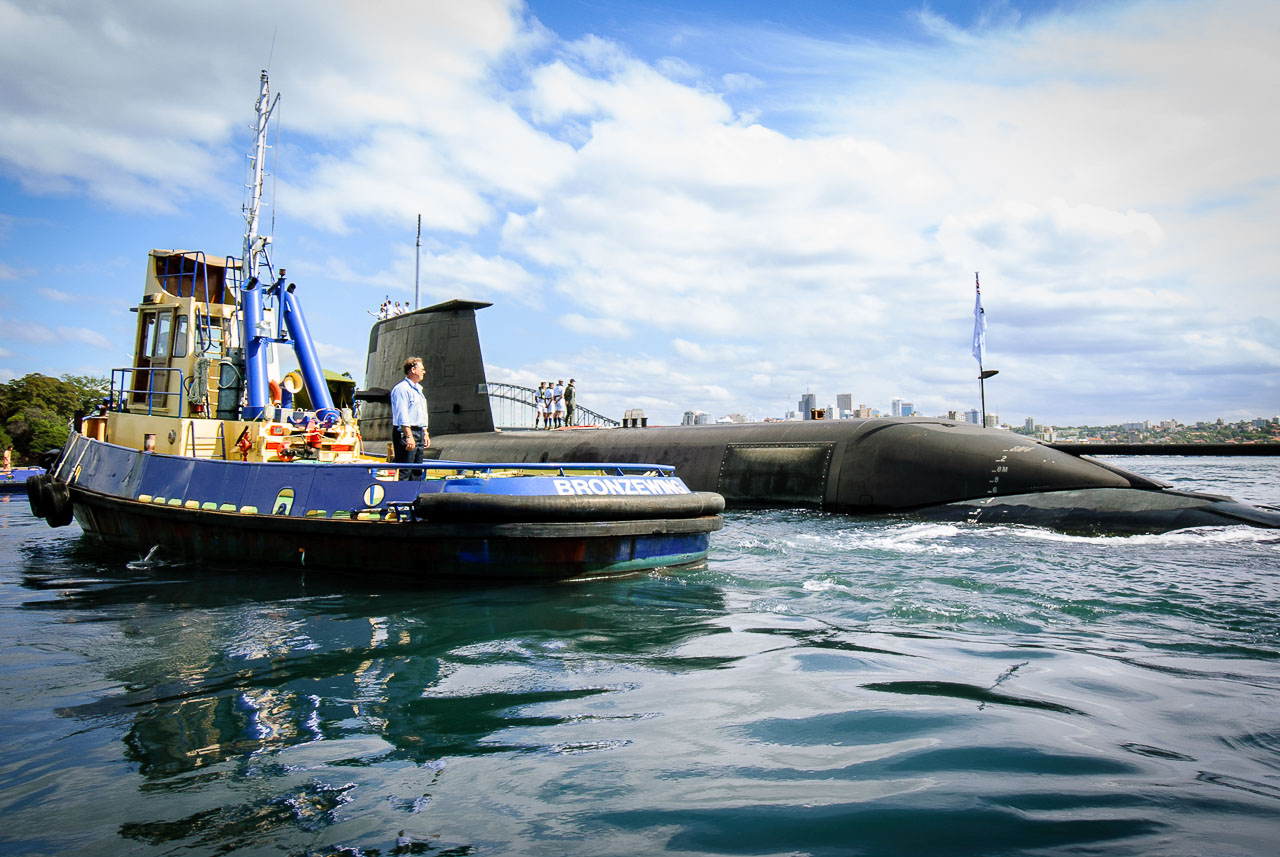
x,y
356,518
15,481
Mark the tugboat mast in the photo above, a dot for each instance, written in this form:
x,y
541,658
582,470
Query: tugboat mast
x,y
258,297
257,337
255,246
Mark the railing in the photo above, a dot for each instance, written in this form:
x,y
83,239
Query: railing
x,y
189,274
543,469
121,402
526,410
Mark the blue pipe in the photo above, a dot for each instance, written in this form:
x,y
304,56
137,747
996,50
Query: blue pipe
x,y
308,362
255,352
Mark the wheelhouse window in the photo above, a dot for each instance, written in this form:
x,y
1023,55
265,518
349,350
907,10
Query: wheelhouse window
x,y
161,338
180,337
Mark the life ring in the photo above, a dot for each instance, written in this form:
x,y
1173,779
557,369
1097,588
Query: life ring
x,y
35,484
58,507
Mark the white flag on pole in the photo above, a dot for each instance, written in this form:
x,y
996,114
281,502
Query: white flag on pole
x,y
979,325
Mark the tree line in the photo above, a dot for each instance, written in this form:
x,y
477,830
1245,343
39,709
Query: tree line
x,y
36,411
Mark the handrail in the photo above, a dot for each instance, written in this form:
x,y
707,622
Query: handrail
x,y
619,468
151,391
488,470
528,396
200,264
234,277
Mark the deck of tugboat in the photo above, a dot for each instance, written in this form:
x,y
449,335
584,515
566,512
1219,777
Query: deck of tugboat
x,y
339,489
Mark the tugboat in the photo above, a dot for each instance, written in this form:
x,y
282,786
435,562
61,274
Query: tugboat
x,y
199,451
14,480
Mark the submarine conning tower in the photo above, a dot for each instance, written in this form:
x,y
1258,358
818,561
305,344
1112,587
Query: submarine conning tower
x,y
445,337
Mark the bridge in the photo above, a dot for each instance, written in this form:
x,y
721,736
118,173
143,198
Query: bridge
x,y
514,407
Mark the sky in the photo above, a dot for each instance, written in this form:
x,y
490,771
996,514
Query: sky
x,y
710,206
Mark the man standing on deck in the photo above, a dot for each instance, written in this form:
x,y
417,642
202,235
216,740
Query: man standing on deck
x,y
569,408
409,434
557,403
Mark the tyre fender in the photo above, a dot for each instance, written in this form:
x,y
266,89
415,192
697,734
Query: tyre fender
x,y
59,511
35,487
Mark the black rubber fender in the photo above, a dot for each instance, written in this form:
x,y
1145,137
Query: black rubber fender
x,y
59,510
35,497
544,508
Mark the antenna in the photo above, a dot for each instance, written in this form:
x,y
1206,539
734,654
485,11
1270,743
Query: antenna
x,y
417,256
271,53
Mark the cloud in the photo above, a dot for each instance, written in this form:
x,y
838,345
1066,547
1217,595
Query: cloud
x,y
42,334
752,213
597,328
341,358
84,335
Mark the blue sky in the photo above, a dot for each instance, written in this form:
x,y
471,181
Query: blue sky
x,y
706,206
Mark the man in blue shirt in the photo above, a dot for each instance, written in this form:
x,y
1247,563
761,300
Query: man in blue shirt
x,y
409,418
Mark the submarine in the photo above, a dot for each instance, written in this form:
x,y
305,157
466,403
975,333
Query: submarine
x,y
929,469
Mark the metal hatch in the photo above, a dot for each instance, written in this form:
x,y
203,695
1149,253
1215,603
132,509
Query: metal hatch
x,y
783,472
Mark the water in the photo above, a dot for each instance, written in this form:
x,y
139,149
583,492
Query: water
x,y
825,685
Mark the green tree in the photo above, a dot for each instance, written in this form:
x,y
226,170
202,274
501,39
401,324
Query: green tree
x,y
36,428
35,410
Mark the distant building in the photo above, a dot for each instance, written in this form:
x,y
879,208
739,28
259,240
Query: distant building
x,y
808,402
1030,425
695,418
974,416
733,418
844,402
993,420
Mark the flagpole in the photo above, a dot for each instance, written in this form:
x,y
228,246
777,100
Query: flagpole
x,y
980,345
417,258
982,394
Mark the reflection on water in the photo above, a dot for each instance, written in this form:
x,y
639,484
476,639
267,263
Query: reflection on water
x,y
824,685
250,664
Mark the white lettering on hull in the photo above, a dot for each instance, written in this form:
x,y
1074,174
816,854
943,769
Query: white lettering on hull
x,y
635,486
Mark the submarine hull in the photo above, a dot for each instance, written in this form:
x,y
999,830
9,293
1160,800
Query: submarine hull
x,y
936,469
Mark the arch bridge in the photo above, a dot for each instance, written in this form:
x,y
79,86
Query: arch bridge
x,y
514,407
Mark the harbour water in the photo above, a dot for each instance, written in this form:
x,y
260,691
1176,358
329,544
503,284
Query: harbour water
x,y
825,685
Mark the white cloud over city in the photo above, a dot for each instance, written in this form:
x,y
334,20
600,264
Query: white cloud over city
x,y
719,224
